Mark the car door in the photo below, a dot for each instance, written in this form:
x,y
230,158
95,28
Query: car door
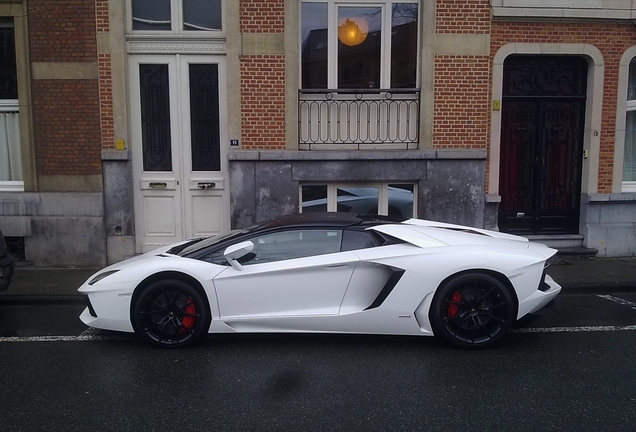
x,y
292,273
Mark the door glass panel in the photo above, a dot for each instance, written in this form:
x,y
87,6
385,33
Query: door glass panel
x,y
155,117
314,45
404,45
204,117
359,47
202,15
401,200
314,198
151,15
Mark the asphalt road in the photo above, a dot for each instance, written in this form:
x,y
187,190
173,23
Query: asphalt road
x,y
572,370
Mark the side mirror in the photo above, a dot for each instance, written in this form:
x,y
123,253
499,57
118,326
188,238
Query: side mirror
x,y
233,253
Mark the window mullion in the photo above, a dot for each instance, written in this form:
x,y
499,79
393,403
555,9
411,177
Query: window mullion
x,y
332,197
383,199
332,46
177,16
385,48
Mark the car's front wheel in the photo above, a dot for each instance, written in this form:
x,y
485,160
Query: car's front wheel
x,y
170,313
472,310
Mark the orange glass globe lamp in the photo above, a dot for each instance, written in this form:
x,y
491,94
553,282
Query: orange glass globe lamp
x,y
352,31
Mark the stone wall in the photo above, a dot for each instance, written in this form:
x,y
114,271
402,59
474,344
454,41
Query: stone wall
x,y
450,183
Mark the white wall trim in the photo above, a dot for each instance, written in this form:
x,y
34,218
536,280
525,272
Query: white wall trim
x,y
623,10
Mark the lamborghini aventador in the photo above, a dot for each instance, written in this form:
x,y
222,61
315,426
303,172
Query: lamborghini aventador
x,y
330,273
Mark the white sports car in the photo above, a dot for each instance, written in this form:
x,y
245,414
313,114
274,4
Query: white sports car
x,y
331,273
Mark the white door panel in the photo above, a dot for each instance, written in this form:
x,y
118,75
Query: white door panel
x,y
173,101
299,287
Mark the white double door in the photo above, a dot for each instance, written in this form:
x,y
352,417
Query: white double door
x,y
179,147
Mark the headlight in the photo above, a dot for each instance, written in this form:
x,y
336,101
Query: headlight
x,y
102,276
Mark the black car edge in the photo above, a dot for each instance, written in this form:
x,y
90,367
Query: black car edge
x,y
7,265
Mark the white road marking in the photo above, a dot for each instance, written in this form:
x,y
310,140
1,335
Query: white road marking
x,y
92,334
619,301
575,329
53,338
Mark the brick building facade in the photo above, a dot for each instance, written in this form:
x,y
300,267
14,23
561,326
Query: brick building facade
x,y
145,123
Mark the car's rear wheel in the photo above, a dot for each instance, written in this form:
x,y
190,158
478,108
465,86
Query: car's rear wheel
x,y
472,311
170,313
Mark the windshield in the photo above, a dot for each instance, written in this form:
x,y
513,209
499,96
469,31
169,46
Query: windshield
x,y
198,244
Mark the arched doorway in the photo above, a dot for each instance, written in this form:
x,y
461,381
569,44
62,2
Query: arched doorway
x,y
542,134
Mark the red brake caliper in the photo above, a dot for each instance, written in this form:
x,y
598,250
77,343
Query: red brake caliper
x,y
189,319
453,308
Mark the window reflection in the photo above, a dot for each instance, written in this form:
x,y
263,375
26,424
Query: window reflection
x,y
294,244
314,198
314,45
401,200
359,65
629,159
151,15
202,15
404,45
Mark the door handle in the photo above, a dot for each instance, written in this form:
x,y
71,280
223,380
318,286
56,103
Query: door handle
x,y
158,185
206,185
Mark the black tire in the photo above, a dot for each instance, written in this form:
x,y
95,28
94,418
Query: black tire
x,y
170,313
472,310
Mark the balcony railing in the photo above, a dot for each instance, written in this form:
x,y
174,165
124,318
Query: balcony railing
x,y
358,119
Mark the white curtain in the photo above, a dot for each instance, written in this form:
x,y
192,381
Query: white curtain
x,y
10,148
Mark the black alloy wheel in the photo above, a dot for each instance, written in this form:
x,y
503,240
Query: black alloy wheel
x,y
170,313
472,311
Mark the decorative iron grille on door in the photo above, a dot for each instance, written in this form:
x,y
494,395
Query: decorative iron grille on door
x,y
543,120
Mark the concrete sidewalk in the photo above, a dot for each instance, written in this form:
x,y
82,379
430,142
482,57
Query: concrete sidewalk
x,y
45,284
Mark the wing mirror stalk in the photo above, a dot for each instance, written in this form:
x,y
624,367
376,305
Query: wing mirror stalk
x,y
234,253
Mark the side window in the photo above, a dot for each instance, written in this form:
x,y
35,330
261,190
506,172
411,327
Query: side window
x,y
352,240
295,244
287,245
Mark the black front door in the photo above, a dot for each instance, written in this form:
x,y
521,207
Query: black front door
x,y
543,118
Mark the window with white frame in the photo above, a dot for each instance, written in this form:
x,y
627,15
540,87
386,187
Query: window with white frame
x,y
629,157
11,177
359,44
388,199
176,16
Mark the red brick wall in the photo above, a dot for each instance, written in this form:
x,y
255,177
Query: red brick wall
x,y
263,79
66,124
105,79
67,111
462,82
461,111
62,30
262,16
612,39
462,16
263,101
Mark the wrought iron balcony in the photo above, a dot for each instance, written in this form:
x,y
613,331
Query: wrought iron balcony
x,y
358,119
